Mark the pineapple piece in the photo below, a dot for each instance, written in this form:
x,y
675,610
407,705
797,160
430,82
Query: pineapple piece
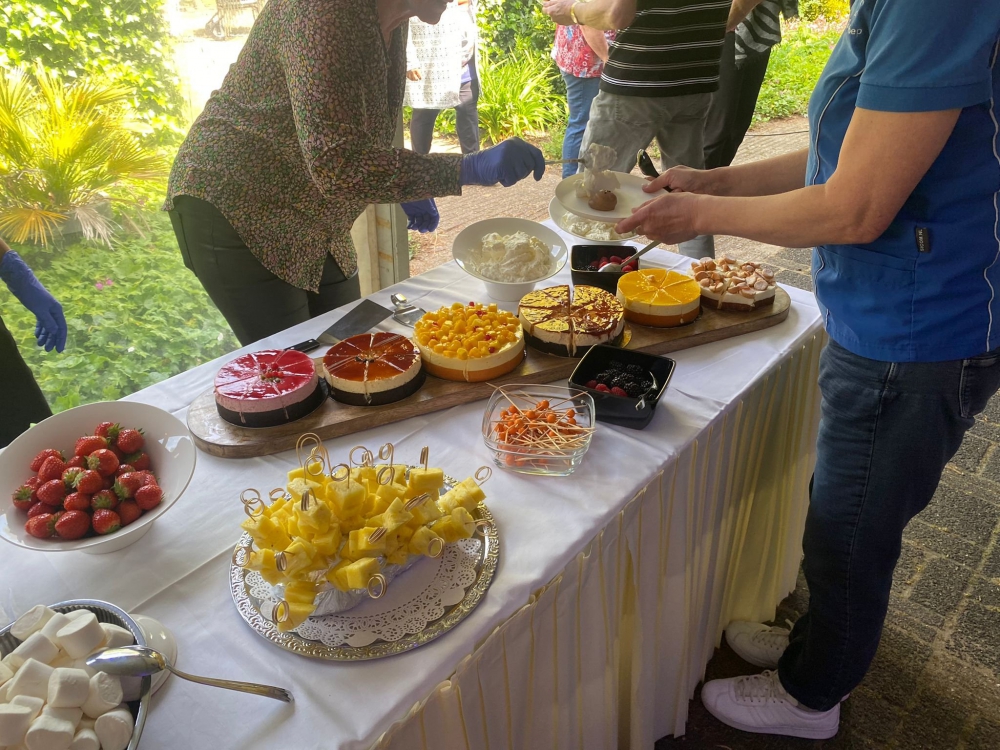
x,y
399,557
297,614
346,498
360,546
328,543
352,523
337,577
426,513
313,473
315,520
368,504
299,556
391,543
380,504
421,540
362,473
276,508
297,486
458,525
360,572
266,533
300,592
404,534
395,515
474,490
375,520
292,526
426,480
390,491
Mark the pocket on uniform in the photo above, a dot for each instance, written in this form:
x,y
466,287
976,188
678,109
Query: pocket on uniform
x,y
980,382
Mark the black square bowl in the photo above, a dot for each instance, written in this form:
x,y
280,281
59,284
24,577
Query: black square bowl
x,y
581,256
621,410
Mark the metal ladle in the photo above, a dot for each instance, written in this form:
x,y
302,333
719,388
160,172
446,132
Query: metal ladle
x,y
617,267
139,661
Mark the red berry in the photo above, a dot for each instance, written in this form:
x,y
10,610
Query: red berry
x,y
616,259
52,492
628,269
130,441
89,482
41,526
76,501
72,524
603,261
148,496
104,462
616,391
129,512
24,497
127,484
119,453
106,521
591,383
38,509
33,482
108,430
88,444
147,477
139,460
71,476
104,499
52,468
109,483
124,469
77,462
602,388
37,461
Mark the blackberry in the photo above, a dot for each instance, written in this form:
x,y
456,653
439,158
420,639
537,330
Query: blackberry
x,y
645,384
619,380
605,377
616,366
635,370
634,390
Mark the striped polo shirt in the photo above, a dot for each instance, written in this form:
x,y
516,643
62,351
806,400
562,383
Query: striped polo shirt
x,y
672,48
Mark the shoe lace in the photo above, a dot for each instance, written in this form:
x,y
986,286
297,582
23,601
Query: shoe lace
x,y
763,686
772,638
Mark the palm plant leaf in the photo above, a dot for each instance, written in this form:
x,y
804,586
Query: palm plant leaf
x,y
29,224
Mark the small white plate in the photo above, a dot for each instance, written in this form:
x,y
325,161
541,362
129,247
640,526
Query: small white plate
x,y
560,215
629,192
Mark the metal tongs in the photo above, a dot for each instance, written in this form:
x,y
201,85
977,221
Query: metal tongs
x,y
646,166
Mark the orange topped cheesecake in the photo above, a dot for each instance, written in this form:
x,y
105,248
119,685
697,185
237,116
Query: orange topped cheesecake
x,y
659,298
373,369
564,321
471,342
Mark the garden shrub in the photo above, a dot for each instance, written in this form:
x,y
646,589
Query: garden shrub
x,y
810,10
517,97
123,40
509,25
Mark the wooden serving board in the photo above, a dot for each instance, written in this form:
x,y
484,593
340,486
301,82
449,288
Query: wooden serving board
x,y
220,438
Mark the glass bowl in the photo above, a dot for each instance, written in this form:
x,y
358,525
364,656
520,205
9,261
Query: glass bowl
x,y
534,449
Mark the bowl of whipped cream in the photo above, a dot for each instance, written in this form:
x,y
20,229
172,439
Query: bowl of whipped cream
x,y
509,255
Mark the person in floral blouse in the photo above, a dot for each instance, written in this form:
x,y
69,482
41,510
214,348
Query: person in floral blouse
x,y
579,53
294,145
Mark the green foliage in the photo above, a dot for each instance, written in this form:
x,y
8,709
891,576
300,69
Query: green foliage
x,y
795,67
508,25
810,10
153,322
125,41
517,97
66,150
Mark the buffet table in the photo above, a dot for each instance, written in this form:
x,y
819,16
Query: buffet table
x,y
612,590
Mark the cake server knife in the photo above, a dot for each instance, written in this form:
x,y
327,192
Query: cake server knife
x,y
365,316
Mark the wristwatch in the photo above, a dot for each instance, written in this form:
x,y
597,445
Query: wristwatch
x,y
572,13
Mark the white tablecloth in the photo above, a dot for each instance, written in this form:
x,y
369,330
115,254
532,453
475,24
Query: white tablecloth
x,y
717,434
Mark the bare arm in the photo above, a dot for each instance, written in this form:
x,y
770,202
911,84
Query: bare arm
x,y
3,248
597,41
883,158
739,11
597,14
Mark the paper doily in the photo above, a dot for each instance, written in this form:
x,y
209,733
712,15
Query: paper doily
x,y
414,599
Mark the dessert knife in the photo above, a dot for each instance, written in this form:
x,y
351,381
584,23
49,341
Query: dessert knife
x,y
365,316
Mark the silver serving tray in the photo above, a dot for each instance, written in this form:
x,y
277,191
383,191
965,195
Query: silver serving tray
x,y
115,616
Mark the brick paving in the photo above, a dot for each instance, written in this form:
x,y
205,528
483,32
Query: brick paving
x,y
935,683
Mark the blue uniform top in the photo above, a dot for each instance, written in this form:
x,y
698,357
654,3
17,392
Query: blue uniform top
x,y
928,289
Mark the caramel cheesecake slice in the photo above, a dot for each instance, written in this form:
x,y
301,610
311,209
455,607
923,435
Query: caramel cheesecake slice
x,y
372,369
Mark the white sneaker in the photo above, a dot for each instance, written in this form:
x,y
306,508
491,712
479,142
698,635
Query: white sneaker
x,y
758,703
758,644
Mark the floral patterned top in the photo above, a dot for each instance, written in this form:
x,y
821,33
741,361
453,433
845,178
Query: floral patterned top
x,y
574,56
299,137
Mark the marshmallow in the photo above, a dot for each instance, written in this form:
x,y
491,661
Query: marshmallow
x,y
11,662
14,723
86,723
75,613
114,729
70,715
81,636
37,646
82,664
5,673
49,733
115,636
56,623
62,660
35,704
31,679
86,739
105,693
31,621
68,688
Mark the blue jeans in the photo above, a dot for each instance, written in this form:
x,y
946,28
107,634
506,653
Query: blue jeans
x,y
580,92
886,432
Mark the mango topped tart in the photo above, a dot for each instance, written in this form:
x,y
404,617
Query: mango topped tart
x,y
473,342
660,298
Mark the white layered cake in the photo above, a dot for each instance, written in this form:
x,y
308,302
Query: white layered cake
x,y
373,369
268,388
727,284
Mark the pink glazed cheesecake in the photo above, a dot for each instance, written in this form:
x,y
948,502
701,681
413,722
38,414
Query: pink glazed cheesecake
x,y
268,388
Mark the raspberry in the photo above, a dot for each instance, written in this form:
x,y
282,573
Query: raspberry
x,y
616,259
628,269
591,383
602,388
616,391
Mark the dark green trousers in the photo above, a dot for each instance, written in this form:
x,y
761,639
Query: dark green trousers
x,y
254,301
21,400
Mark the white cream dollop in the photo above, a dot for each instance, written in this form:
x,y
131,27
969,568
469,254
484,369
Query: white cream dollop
x,y
511,258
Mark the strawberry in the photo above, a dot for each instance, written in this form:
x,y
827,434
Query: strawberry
x,y
52,492
76,501
148,496
129,512
616,391
124,469
89,482
77,462
88,444
139,460
615,259
42,526
106,521
72,524
127,484
33,482
39,508
37,461
119,453
71,476
130,441
104,499
108,430
147,477
109,483
104,462
628,269
24,497
52,468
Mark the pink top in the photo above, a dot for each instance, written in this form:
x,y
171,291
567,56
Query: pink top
x,y
574,56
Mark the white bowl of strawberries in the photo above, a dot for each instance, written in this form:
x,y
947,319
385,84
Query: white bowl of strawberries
x,y
93,478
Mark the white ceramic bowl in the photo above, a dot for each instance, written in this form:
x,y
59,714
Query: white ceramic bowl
x,y
168,443
470,237
559,214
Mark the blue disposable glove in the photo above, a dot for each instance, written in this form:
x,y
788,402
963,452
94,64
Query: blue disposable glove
x,y
50,326
423,215
507,162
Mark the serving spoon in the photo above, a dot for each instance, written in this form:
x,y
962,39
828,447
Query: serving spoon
x,y
139,661
617,267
